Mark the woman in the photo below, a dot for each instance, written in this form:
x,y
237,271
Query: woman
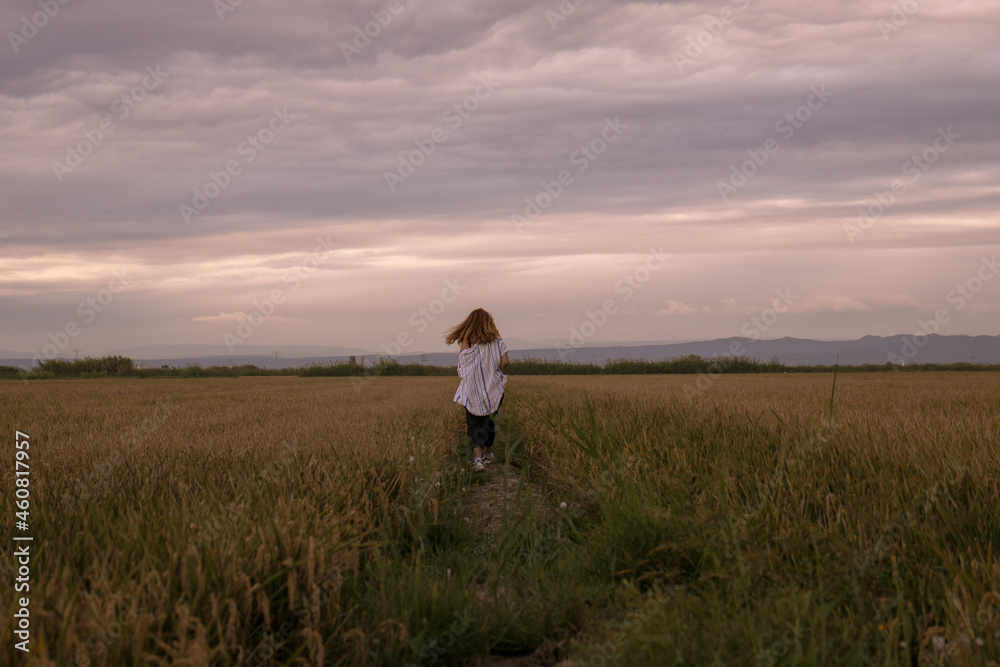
x,y
482,361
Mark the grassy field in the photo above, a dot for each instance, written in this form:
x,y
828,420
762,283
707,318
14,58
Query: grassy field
x,y
731,520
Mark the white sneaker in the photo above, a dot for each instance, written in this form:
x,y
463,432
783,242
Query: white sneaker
x,y
478,466
489,458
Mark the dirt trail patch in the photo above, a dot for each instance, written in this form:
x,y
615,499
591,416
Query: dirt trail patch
x,y
487,504
488,500
549,654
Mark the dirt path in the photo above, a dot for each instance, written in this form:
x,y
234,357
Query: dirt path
x,y
486,505
489,500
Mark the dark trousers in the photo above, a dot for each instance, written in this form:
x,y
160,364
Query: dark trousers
x,y
481,431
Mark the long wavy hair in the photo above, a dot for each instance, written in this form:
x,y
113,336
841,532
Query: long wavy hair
x,y
478,329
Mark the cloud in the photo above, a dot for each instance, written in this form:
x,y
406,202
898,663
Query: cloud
x,y
237,316
221,317
829,303
202,137
892,302
678,308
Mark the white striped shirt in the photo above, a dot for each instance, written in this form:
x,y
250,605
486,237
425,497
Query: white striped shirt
x,y
481,386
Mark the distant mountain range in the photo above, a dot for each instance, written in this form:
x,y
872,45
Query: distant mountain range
x,y
804,352
790,351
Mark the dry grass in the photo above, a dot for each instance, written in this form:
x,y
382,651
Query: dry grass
x,y
219,508
226,521
875,530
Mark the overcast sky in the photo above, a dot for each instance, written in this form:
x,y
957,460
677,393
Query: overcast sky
x,y
671,167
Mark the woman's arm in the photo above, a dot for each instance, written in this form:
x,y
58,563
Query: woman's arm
x,y
504,362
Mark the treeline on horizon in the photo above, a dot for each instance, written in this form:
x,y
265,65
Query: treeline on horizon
x,y
118,366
